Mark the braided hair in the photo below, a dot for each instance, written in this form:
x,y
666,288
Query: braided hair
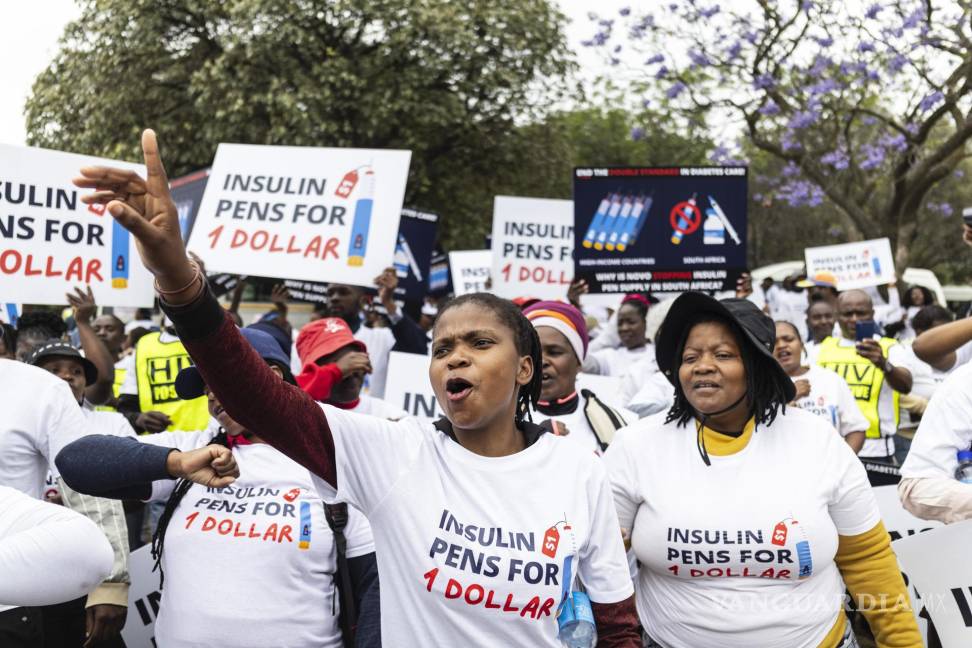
x,y
181,488
765,393
524,337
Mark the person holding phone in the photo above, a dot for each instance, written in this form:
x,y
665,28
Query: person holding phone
x,y
874,367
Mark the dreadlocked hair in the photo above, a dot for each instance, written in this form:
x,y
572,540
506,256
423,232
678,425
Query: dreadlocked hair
x,y
181,488
766,394
524,337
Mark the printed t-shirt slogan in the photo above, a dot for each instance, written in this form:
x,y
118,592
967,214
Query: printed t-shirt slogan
x,y
50,241
653,229
533,240
318,214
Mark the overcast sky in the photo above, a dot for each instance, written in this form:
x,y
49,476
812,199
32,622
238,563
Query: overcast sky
x,y
29,33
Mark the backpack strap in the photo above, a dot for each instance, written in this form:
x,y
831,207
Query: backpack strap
x,y
337,520
604,420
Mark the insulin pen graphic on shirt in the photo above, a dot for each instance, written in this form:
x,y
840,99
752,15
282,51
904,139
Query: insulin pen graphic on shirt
x,y
120,249
619,220
358,245
529,573
780,551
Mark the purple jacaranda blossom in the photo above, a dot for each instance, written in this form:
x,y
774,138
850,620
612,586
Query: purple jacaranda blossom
x,y
820,65
698,58
587,43
803,118
617,48
592,16
958,173
872,157
836,231
930,101
758,197
637,133
895,142
709,11
946,210
624,11
719,153
788,142
868,120
646,104
897,62
865,47
673,7
837,159
943,209
769,108
824,41
600,38
607,24
734,50
615,61
824,87
751,36
661,73
677,88
893,32
800,193
873,11
913,19
873,75
657,58
791,170
912,128
764,82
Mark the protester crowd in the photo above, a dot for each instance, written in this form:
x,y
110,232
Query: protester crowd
x,y
722,496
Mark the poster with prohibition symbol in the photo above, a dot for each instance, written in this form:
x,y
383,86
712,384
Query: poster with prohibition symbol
x,y
291,212
51,242
533,244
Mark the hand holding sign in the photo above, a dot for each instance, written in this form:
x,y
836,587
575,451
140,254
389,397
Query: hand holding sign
x,y
145,208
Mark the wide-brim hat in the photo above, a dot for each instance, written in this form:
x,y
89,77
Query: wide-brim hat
x,y
758,329
61,349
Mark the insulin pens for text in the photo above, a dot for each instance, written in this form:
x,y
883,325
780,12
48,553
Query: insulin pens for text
x,y
615,217
683,221
362,219
598,220
120,239
725,220
305,525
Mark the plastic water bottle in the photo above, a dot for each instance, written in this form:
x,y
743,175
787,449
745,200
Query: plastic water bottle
x,y
964,471
576,622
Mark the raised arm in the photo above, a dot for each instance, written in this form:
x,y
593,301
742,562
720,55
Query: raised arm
x,y
937,346
283,415
83,304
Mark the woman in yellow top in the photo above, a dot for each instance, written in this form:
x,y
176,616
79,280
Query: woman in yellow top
x,y
748,518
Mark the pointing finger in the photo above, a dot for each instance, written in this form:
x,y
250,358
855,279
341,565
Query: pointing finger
x,y
158,181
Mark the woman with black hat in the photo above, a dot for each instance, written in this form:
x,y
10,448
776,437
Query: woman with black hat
x,y
748,518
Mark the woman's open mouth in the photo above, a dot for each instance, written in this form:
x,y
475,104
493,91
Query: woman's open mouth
x,y
457,389
705,386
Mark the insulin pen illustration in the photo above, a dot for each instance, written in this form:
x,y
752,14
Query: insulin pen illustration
x,y
305,526
630,211
637,221
615,216
612,214
120,240
683,221
404,259
598,219
725,220
362,218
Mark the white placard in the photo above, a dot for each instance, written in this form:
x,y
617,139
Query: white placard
x,y
314,214
856,265
408,386
143,600
533,247
470,271
938,565
51,242
902,524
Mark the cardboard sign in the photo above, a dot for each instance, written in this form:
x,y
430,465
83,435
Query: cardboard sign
x,y
313,214
856,265
413,252
470,271
532,243
439,281
143,600
187,193
651,229
938,565
902,524
51,242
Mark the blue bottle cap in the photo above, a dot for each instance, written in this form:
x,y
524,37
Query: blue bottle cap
x,y
964,455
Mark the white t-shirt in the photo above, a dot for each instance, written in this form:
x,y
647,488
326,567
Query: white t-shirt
x,y
946,428
476,550
39,417
644,388
48,554
615,362
580,431
831,398
883,447
378,407
237,570
379,342
740,553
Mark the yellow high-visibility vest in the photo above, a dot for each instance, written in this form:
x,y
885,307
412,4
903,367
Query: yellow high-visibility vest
x,y
157,364
865,380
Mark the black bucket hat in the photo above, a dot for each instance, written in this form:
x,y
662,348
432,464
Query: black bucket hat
x,y
758,328
60,349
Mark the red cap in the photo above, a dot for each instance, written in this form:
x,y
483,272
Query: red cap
x,y
323,337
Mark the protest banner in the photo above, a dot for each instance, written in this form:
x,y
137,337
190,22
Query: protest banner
x,y
52,242
855,265
470,271
144,597
937,564
413,252
313,214
10,313
532,244
652,229
408,385
439,282
187,192
902,524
